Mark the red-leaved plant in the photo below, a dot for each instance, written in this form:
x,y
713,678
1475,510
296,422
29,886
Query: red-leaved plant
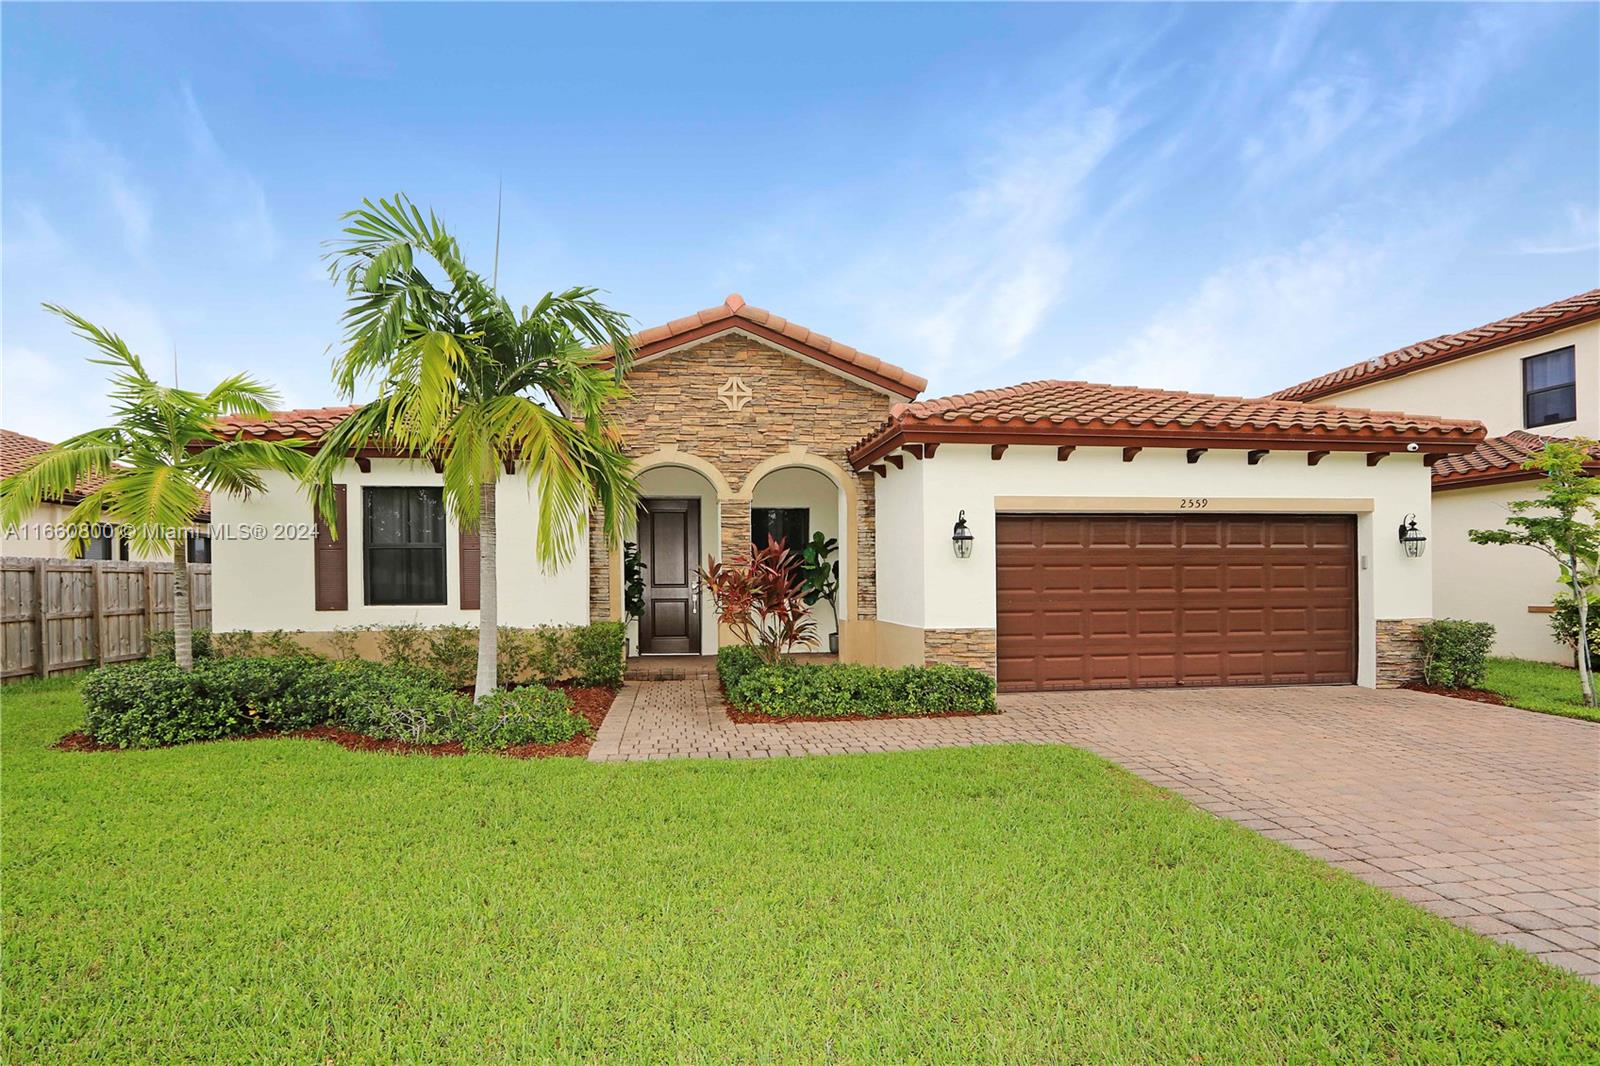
x,y
761,596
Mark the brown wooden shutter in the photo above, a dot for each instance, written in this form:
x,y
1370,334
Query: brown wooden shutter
x,y
333,557
469,571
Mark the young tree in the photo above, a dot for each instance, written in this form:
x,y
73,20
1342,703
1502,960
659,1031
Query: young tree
x,y
761,596
460,374
1561,522
154,464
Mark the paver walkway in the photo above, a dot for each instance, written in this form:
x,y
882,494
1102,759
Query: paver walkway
x,y
1486,815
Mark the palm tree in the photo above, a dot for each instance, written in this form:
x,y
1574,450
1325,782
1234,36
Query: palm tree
x,y
155,463
459,374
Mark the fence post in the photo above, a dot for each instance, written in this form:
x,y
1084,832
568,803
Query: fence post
x,y
148,570
41,607
97,618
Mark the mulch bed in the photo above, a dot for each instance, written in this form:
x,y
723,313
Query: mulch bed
x,y
1476,695
592,702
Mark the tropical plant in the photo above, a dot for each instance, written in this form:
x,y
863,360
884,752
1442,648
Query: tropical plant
x,y
760,595
1560,520
460,375
148,472
820,572
633,568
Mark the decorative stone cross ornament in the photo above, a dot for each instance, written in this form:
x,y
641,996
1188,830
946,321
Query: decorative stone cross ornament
x,y
734,393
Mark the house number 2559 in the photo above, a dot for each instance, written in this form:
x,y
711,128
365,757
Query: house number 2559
x,y
1191,503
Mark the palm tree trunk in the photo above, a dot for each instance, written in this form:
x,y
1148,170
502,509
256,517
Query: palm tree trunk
x,y
182,631
488,596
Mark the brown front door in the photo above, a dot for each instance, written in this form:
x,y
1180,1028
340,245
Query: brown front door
x,y
1134,601
669,546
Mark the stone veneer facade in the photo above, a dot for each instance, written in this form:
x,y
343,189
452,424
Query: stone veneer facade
x,y
962,647
792,405
1399,651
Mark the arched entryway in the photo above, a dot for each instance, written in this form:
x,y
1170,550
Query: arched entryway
x,y
794,501
676,529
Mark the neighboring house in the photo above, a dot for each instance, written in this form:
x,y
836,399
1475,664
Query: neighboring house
x,y
45,535
1120,536
1528,378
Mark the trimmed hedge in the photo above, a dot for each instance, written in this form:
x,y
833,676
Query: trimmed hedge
x,y
836,690
589,655
1455,654
152,703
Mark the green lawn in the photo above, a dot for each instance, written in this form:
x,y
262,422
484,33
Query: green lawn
x,y
1542,687
291,901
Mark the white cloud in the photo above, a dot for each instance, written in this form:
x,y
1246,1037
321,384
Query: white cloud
x,y
1231,334
102,168
237,197
1581,233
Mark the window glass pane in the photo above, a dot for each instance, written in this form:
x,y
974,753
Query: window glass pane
x,y
426,566
791,525
1552,405
386,576
99,545
385,516
1549,369
427,517
199,547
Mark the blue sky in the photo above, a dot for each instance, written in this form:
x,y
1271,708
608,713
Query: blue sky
x,y
1218,197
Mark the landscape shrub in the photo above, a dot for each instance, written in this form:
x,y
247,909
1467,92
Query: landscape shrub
x,y
402,645
164,644
832,690
453,651
280,643
238,642
152,703
516,654
734,662
550,655
531,714
1455,653
1564,624
598,649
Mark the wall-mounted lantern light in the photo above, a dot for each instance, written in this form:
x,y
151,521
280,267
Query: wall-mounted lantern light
x,y
1411,539
962,537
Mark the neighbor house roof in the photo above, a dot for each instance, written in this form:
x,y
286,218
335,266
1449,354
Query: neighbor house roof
x,y
1495,461
734,313
1572,311
1081,413
299,423
18,449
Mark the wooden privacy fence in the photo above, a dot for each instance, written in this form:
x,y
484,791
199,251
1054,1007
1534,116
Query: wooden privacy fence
x,y
62,615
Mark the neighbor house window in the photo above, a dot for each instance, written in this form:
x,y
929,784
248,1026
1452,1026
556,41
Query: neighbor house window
x,y
792,525
404,545
199,547
1549,392
103,543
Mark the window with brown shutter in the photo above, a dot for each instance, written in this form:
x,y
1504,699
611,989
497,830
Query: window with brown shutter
x,y
333,557
469,571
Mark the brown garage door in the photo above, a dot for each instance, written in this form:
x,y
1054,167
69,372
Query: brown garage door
x,y
1132,601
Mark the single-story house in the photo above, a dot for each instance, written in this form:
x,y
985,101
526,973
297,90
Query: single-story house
x,y
45,533
1529,378
1056,534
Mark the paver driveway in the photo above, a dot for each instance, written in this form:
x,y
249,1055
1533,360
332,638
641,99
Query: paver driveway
x,y
1486,815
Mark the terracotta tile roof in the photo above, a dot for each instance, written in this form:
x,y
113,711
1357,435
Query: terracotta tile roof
x,y
735,313
1496,460
1068,412
1573,310
305,423
18,449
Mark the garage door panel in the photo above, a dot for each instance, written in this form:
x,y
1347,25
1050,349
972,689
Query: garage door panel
x,y
1129,600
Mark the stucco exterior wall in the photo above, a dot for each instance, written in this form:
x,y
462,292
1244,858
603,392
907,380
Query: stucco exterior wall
x,y
267,582
960,594
38,537
1487,583
1488,386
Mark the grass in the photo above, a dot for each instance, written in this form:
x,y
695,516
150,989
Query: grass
x,y
1543,687
288,900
